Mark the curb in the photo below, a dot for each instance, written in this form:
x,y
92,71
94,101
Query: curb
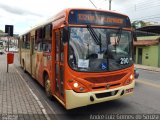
x,y
35,97
147,68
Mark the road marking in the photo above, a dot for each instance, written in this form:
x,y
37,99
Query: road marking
x,y
35,97
42,98
148,83
47,103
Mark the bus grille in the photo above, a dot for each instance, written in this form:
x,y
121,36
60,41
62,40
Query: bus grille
x,y
105,79
106,94
104,87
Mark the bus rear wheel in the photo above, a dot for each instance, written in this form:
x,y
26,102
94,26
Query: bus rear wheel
x,y
48,87
24,67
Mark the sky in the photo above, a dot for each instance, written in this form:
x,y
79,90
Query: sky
x,y
25,14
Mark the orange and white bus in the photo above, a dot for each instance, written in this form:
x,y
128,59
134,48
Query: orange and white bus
x,y
81,56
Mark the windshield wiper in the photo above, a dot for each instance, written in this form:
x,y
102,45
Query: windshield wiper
x,y
97,39
118,34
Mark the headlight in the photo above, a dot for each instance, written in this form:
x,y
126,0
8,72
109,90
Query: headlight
x,y
129,80
77,86
131,77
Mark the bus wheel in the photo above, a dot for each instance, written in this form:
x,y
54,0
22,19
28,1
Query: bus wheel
x,y
48,87
24,67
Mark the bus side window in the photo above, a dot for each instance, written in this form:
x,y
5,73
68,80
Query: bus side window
x,y
35,42
48,32
39,46
61,46
57,45
47,38
49,47
46,47
26,41
23,41
38,40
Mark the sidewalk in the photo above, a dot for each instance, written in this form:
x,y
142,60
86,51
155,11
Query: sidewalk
x,y
147,67
17,101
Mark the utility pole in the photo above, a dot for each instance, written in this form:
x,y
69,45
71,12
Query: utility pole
x,y
93,4
110,1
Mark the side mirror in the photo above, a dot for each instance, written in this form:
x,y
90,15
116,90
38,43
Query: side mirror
x,y
136,73
65,37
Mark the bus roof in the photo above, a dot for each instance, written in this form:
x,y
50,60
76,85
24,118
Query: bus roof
x,y
99,10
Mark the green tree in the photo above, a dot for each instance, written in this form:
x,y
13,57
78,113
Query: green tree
x,y
1,31
138,24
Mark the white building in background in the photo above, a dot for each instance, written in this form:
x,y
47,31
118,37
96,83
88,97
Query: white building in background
x,y
13,43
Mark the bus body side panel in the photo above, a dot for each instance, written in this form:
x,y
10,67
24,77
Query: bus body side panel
x,y
34,65
39,67
52,72
28,61
22,57
32,53
46,65
19,52
25,59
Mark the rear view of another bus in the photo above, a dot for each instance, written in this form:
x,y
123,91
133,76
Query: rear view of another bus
x,y
99,59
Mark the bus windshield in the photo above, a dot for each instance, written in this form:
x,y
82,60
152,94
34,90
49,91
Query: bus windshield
x,y
112,52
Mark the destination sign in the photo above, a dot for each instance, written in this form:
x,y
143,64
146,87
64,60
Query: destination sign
x,y
90,17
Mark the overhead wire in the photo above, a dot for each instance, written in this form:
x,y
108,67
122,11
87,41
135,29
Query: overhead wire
x,y
150,16
140,6
93,4
145,5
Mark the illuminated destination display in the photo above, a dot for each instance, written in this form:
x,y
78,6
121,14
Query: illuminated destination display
x,y
98,18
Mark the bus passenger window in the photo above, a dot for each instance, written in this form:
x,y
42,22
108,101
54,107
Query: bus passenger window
x,y
46,47
49,47
61,46
26,42
39,48
23,42
38,39
48,32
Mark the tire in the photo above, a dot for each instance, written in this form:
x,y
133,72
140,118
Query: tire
x,y
47,86
24,68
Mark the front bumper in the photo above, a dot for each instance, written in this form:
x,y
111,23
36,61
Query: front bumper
x,y
74,100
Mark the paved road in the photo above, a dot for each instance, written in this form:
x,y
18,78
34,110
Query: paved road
x,y
150,76
145,99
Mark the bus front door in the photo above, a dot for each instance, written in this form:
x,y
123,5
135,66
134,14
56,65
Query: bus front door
x,y
59,66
